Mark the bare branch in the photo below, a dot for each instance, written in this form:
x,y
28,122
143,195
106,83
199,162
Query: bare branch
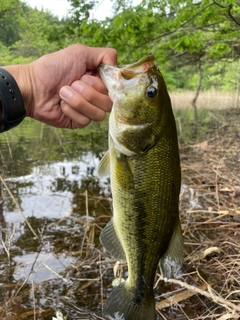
x,y
229,7
194,100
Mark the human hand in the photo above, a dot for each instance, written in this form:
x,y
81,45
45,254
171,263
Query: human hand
x,y
63,88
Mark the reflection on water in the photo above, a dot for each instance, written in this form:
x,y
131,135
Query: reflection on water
x,y
48,191
46,265
49,178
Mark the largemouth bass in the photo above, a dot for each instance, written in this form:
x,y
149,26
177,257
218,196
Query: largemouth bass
x,y
144,166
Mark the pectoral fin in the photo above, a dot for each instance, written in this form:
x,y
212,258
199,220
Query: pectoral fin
x,y
111,242
104,165
172,260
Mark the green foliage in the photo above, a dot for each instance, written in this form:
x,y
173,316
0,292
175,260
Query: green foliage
x,y
9,11
193,43
7,57
36,41
33,33
183,35
80,10
218,50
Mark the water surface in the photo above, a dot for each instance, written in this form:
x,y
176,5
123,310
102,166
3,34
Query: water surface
x,y
53,207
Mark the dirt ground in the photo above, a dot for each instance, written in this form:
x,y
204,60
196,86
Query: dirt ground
x,y
210,216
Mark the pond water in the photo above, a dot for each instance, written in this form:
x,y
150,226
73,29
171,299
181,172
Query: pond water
x,y
52,210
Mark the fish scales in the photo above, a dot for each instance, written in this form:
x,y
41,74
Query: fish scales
x,y
145,181
148,223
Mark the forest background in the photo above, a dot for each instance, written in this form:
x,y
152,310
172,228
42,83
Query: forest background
x,y
196,43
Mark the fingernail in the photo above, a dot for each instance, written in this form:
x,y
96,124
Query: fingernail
x,y
65,93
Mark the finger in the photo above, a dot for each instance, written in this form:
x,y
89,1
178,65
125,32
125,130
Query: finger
x,y
78,102
101,55
109,57
95,82
78,119
93,96
93,57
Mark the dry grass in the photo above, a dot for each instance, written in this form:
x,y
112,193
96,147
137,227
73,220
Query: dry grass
x,y
211,99
210,215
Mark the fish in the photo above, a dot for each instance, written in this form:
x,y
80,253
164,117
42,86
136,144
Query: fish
x,y
145,175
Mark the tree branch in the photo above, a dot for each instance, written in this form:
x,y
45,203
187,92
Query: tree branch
x,y
175,30
229,7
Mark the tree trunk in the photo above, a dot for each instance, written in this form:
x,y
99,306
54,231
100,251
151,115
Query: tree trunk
x,y
237,92
194,100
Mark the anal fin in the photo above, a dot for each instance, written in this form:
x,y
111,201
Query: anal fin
x,y
172,260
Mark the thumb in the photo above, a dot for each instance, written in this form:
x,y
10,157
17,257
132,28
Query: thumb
x,y
95,56
107,56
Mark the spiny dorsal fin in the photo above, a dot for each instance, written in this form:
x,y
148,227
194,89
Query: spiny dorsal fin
x,y
110,241
104,165
173,258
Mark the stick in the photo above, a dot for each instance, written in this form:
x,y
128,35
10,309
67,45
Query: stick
x,y
209,295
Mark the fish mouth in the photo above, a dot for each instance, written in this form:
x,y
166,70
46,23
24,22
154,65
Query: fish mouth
x,y
127,71
148,60
126,77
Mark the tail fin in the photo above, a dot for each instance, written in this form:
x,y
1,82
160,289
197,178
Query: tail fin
x,y
124,304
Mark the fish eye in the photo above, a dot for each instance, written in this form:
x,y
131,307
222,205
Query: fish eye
x,y
151,92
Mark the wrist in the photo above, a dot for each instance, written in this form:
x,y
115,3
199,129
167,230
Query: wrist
x,y
12,104
21,74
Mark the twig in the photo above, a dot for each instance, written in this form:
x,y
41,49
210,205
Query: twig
x,y
168,302
46,266
8,144
210,295
16,203
61,143
34,306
